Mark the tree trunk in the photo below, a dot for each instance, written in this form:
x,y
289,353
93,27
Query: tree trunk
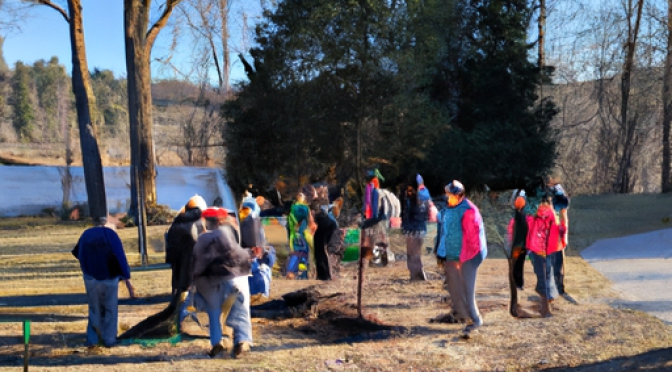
x,y
84,102
542,34
622,179
226,63
139,40
667,105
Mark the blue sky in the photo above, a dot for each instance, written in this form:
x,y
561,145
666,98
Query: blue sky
x,y
45,34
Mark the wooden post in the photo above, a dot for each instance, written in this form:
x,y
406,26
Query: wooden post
x,y
26,341
142,218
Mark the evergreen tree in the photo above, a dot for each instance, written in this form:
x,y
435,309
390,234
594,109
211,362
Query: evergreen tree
x,y
48,76
23,119
499,135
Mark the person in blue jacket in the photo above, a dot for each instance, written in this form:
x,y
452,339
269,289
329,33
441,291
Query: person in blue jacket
x,y
103,262
414,216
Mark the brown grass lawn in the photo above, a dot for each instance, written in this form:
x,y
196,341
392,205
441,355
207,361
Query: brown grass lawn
x,y
41,281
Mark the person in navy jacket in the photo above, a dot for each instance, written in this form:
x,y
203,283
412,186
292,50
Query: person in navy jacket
x,y
103,262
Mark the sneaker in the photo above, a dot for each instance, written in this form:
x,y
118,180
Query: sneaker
x,y
569,298
241,349
223,346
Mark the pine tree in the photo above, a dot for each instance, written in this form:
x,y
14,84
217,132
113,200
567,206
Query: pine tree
x,y
23,118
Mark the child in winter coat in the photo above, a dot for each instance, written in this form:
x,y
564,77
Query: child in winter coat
x,y
543,241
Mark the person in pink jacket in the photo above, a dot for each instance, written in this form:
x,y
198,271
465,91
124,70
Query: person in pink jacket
x,y
462,246
543,241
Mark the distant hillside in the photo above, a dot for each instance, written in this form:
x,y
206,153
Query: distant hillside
x,y
186,118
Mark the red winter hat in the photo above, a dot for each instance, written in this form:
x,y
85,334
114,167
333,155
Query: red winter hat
x,y
215,212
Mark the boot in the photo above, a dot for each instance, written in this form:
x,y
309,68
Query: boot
x,y
545,308
241,349
223,346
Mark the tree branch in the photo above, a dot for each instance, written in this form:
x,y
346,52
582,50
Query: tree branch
x,y
158,26
55,7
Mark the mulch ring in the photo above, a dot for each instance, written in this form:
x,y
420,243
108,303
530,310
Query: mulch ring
x,y
330,318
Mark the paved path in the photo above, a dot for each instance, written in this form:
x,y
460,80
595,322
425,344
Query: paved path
x,y
640,267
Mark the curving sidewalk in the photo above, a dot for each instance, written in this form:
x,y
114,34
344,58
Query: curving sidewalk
x,y
640,266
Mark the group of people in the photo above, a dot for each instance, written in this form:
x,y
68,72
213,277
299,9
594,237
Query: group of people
x,y
211,268
314,235
539,229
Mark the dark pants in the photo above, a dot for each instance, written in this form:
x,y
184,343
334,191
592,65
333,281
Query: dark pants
x,y
518,257
322,262
559,271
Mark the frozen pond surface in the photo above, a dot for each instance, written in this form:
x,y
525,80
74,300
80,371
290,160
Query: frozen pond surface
x,y
27,190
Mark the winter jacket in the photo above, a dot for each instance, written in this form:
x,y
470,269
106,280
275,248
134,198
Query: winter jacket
x,y
216,253
543,236
517,230
251,233
182,235
101,254
415,215
371,202
461,233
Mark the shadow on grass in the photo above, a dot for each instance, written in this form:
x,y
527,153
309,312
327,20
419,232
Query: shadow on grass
x,y
39,317
73,299
45,339
84,358
656,360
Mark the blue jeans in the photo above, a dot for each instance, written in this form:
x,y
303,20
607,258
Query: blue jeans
x,y
103,298
543,268
559,271
210,296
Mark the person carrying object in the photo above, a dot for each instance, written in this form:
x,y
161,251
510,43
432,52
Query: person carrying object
x,y
103,262
220,269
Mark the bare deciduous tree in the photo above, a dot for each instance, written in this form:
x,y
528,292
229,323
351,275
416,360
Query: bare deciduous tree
x,y
667,105
85,103
139,39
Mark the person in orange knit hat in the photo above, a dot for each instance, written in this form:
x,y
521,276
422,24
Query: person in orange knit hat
x,y
516,238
